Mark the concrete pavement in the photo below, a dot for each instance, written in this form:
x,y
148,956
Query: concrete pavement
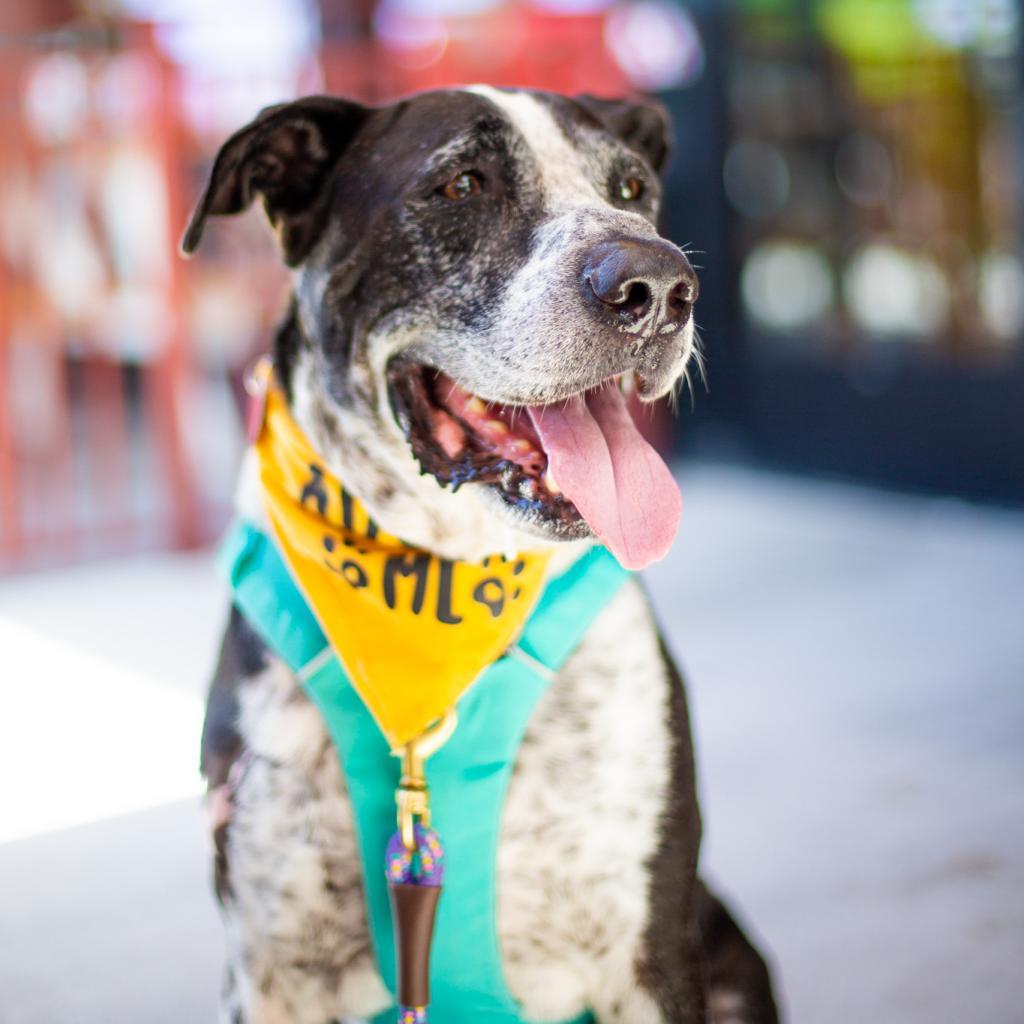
x,y
856,672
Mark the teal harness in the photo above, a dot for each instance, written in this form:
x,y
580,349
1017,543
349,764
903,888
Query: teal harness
x,y
469,775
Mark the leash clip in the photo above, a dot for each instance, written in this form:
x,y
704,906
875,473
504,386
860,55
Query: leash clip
x,y
413,794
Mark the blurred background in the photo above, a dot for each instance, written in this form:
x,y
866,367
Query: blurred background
x,y
848,589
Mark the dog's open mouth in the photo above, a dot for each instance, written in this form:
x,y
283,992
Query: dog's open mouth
x,y
572,465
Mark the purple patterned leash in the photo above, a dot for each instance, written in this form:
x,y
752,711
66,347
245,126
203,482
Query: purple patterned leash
x,y
414,878
424,866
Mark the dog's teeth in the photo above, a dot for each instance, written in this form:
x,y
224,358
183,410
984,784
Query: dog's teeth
x,y
549,483
476,405
497,427
628,383
520,446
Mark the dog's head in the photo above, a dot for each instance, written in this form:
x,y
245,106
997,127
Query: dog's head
x,y
477,279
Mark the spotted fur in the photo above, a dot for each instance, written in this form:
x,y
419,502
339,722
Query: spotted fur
x,y
605,911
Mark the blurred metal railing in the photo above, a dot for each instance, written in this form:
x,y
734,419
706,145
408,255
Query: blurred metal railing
x,y
92,457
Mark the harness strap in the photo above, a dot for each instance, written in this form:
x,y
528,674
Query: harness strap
x,y
469,775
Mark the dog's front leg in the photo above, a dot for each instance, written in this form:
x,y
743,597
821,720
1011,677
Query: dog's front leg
x,y
286,867
648,997
298,945
714,975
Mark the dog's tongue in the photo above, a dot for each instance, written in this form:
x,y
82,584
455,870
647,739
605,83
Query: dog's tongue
x,y
605,467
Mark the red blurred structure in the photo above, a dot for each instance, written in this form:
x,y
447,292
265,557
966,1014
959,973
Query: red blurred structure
x,y
505,46
111,348
65,380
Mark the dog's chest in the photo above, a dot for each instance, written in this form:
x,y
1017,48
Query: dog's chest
x,y
579,827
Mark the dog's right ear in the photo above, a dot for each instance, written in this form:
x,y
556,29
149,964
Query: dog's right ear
x,y
286,156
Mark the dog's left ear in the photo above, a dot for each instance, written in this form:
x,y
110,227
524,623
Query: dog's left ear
x,y
642,124
286,156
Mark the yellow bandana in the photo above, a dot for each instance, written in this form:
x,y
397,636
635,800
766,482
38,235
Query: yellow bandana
x,y
413,631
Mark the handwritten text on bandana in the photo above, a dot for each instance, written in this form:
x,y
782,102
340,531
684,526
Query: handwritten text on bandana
x,y
412,630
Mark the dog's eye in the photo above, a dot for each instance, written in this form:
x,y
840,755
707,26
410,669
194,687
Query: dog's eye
x,y
462,186
630,189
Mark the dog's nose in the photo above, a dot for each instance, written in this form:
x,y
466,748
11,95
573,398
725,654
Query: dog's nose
x,y
630,276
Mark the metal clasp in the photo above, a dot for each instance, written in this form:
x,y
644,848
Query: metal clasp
x,y
413,794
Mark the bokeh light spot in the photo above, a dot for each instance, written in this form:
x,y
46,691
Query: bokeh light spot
x,y
786,285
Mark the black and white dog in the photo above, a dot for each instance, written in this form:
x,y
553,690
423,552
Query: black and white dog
x,y
501,243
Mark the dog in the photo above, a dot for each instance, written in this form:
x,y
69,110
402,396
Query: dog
x,y
459,258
